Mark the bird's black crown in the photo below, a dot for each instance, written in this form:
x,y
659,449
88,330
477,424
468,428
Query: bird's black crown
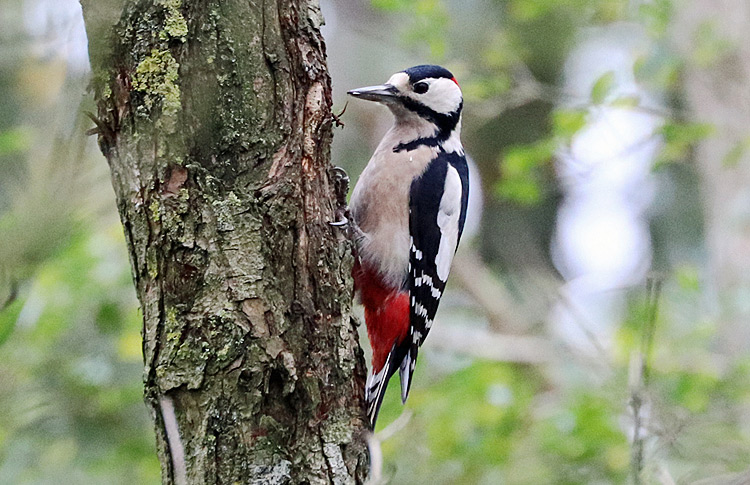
x,y
424,71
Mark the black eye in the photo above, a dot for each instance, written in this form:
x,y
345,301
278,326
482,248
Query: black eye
x,y
421,87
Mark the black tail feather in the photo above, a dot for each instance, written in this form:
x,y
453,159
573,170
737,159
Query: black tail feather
x,y
377,384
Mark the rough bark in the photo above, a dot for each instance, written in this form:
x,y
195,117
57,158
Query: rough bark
x,y
215,119
717,90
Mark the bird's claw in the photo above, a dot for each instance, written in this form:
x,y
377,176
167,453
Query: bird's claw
x,y
341,223
340,175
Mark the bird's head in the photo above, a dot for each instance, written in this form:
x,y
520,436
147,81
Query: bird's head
x,y
428,92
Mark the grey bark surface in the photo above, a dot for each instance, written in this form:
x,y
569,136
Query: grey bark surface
x,y
215,119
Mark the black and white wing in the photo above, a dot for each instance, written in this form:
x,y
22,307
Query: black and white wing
x,y
437,212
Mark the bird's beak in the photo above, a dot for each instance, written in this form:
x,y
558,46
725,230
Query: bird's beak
x,y
382,93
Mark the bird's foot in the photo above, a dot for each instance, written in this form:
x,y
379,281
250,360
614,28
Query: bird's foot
x,y
340,181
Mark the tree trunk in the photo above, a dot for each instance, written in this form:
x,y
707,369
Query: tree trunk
x,y
717,90
215,119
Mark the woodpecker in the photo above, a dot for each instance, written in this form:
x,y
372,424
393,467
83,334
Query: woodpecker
x,y
409,207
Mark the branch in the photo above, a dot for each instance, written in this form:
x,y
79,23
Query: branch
x,y
490,294
481,343
639,377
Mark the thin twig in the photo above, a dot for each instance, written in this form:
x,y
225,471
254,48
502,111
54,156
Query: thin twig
x,y
376,453
488,292
665,478
640,369
176,448
484,344
337,117
636,404
653,288
396,426
376,460
584,324
12,295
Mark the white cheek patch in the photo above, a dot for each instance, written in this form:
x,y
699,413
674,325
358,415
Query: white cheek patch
x,y
447,220
444,95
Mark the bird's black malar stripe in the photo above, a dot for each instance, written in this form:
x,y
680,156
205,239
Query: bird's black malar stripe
x,y
445,122
429,141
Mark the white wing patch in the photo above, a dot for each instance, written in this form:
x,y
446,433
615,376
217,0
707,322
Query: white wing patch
x,y
447,220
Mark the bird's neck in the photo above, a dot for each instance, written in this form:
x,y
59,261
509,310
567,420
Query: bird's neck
x,y
414,132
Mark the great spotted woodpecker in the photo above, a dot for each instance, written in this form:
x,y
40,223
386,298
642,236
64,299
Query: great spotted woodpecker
x,y
410,206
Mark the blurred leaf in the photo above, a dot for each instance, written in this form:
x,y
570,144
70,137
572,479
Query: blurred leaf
x,y
429,22
87,422
607,11
659,69
602,87
520,168
687,277
390,5
657,15
8,319
686,133
567,122
586,438
626,102
498,54
693,391
679,138
480,89
736,153
14,141
525,10
130,346
711,43
523,191
466,425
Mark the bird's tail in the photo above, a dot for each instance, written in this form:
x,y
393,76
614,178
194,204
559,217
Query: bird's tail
x,y
375,389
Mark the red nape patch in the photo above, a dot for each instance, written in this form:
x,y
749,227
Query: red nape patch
x,y
454,80
386,312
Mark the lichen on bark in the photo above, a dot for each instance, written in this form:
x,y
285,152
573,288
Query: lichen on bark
x,y
215,119
156,76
